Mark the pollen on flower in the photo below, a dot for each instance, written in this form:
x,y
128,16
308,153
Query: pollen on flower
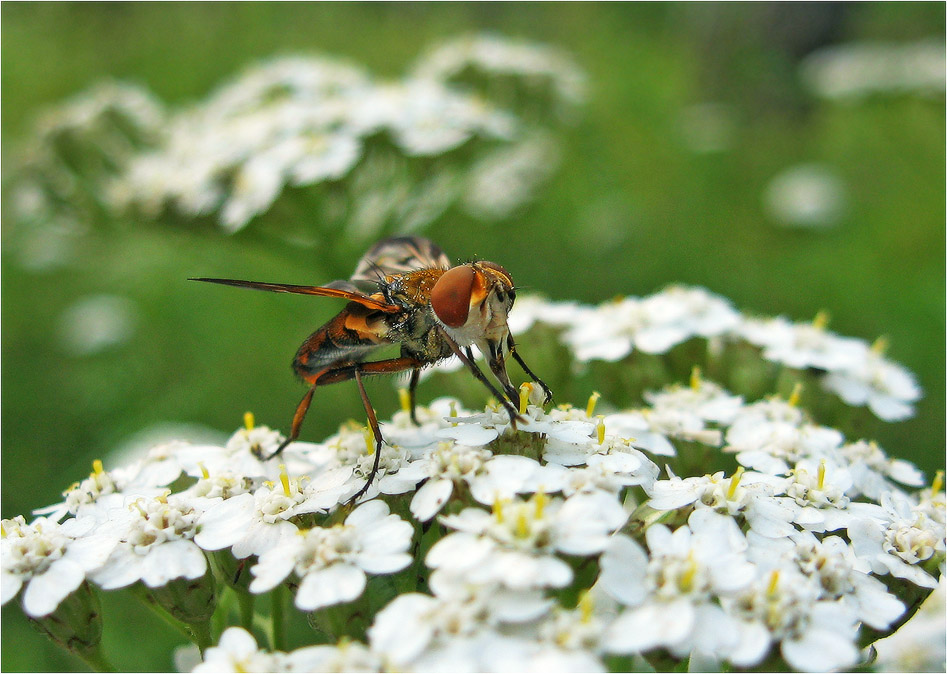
x,y
248,420
600,430
938,483
404,399
821,320
97,468
284,479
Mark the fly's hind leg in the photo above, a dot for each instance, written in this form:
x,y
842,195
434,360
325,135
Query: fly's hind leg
x,y
357,371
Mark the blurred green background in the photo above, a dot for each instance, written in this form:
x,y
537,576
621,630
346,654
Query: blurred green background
x,y
632,208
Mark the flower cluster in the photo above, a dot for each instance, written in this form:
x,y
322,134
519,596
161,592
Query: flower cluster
x,y
370,152
857,372
551,544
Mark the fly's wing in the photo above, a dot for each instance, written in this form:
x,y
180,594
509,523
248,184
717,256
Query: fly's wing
x,y
340,289
398,255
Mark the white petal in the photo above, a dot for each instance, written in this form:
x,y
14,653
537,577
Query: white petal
x,y
10,584
624,564
332,585
226,523
430,498
400,630
48,589
471,435
379,564
367,513
174,559
648,626
819,651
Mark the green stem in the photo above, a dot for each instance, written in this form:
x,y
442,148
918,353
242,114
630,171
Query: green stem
x,y
245,603
277,619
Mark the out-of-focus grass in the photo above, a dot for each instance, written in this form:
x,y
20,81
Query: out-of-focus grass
x,y
631,210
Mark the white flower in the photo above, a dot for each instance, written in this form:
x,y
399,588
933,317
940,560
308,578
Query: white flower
x,y
773,445
237,651
807,195
155,543
253,523
781,606
709,401
899,541
803,345
887,388
670,592
918,646
346,656
872,471
51,563
447,465
516,545
413,624
748,494
856,70
332,563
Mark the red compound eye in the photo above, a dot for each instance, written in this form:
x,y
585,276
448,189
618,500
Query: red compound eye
x,y
450,296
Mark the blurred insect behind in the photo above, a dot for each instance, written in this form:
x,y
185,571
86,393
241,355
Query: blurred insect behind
x,y
405,291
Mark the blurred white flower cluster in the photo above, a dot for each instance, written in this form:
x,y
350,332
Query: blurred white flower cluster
x,y
370,153
701,525
859,70
857,372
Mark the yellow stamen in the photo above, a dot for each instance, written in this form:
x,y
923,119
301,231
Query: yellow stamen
x,y
369,440
734,483
938,482
539,498
453,409
163,496
590,407
525,389
97,468
822,475
137,505
204,472
284,479
498,509
686,582
405,399
773,583
522,525
586,606
695,378
796,394
248,420
821,320
880,346
600,429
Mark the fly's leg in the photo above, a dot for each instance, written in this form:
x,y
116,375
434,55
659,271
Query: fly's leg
x,y
412,394
546,390
478,373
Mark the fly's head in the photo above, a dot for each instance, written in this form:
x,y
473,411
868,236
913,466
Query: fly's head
x,y
472,302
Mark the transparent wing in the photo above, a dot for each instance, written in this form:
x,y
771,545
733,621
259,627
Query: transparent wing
x,y
398,255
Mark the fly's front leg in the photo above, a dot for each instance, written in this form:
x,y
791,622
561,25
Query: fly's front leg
x,y
472,366
546,390
412,394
